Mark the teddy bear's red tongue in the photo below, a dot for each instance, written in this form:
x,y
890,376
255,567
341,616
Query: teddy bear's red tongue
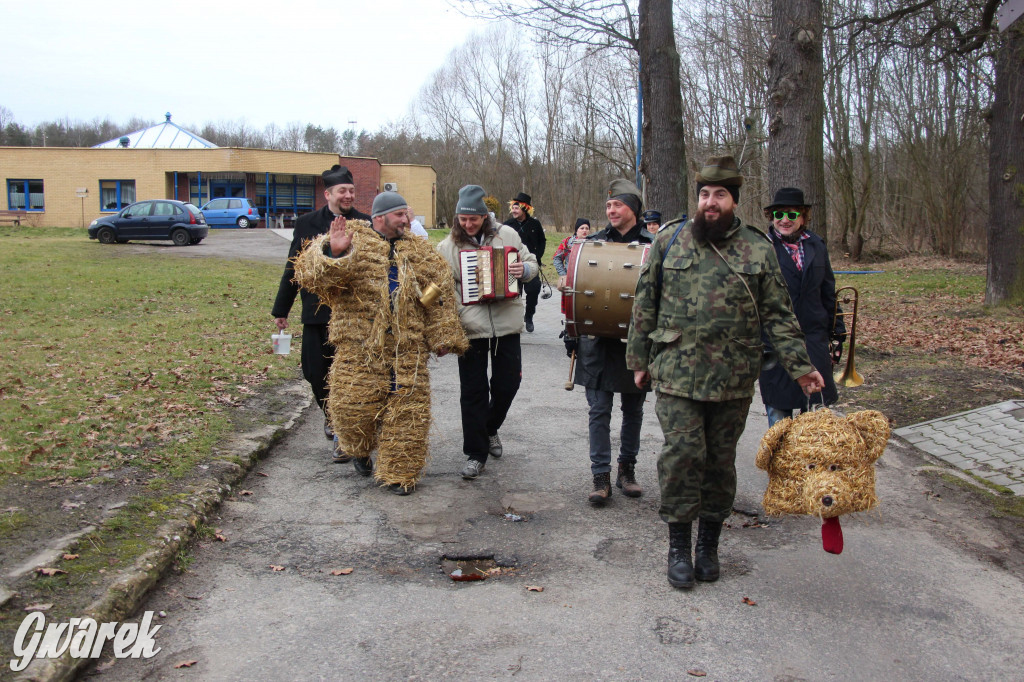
x,y
832,536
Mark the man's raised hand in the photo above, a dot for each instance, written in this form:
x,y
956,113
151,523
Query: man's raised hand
x,y
341,239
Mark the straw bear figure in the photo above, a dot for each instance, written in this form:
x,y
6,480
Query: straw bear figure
x,y
823,464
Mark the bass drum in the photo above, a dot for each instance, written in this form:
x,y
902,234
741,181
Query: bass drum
x,y
600,285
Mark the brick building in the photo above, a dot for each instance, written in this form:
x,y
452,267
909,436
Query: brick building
x,y
70,186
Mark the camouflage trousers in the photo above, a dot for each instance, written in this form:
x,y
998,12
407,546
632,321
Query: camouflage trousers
x,y
697,466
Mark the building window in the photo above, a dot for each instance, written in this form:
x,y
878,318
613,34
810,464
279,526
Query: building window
x,y
288,194
25,195
197,194
116,194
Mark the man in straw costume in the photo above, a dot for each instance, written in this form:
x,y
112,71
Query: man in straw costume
x,y
317,351
708,290
392,304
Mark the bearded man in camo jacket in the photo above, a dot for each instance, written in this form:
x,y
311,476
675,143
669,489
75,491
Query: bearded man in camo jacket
x,y
708,289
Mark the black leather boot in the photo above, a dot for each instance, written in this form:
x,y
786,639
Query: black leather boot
x,y
707,568
680,565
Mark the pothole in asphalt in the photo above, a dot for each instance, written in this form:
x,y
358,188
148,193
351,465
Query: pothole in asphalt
x,y
471,568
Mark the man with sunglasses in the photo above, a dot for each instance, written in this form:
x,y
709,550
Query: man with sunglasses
x,y
803,258
708,290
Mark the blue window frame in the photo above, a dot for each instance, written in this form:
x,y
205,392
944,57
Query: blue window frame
x,y
288,194
116,194
25,195
198,192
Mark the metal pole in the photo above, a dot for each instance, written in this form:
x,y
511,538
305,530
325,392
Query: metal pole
x,y
639,120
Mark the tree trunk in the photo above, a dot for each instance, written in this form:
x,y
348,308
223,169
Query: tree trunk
x,y
796,104
1006,173
663,163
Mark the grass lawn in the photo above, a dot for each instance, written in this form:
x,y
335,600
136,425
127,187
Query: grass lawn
x,y
119,360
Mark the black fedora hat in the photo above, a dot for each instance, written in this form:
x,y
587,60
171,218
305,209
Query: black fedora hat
x,y
523,198
787,196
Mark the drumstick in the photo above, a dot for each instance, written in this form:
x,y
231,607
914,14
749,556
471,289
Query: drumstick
x,y
572,361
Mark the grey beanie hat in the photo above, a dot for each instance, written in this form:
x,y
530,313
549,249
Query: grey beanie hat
x,y
471,201
387,202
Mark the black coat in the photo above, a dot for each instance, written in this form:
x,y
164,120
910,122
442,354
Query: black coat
x,y
601,362
532,234
308,225
813,293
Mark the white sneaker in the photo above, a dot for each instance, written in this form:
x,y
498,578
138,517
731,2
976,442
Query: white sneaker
x,y
472,469
494,446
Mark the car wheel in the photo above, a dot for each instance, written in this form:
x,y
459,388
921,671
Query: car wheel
x,y
243,222
106,236
180,237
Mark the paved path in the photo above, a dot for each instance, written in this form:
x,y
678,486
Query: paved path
x,y
925,590
987,442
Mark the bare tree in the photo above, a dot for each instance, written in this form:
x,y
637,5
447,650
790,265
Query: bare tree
x,y
615,24
796,103
964,27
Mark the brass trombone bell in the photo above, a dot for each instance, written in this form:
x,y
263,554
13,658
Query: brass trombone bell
x,y
849,376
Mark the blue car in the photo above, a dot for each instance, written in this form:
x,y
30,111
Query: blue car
x,y
180,222
231,212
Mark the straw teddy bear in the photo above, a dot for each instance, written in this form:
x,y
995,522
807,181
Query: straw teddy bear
x,y
823,464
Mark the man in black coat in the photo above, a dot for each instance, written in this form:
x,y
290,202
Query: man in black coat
x,y
317,352
601,366
807,270
532,234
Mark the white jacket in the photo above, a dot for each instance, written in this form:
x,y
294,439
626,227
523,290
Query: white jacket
x,y
505,316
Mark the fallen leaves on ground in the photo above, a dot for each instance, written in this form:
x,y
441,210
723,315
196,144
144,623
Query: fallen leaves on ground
x,y
274,567
342,571
185,664
46,570
70,557
39,607
696,672
749,602
534,588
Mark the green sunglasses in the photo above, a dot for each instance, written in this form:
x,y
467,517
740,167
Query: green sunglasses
x,y
792,215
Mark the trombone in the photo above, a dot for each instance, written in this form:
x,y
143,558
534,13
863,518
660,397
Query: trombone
x,y
847,296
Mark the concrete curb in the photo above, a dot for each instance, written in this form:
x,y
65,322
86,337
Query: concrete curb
x,y
127,593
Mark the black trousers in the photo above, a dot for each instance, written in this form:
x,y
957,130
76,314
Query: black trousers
x,y
532,290
317,356
485,404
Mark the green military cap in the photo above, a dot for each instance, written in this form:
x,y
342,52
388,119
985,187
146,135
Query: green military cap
x,y
720,170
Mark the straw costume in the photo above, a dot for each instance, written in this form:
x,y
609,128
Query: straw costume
x,y
379,381
822,464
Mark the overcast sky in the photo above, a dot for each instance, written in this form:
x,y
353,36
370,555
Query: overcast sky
x,y
310,61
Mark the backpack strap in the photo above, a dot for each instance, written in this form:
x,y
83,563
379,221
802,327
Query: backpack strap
x,y
682,223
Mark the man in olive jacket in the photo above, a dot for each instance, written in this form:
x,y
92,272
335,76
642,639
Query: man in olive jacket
x,y
708,289
317,351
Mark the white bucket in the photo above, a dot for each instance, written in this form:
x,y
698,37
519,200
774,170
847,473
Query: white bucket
x,y
282,343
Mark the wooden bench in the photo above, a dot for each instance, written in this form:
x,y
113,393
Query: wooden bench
x,y
12,217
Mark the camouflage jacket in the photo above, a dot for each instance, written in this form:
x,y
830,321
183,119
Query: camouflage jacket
x,y
695,327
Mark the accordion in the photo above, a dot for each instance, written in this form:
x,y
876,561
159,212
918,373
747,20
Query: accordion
x,y
485,275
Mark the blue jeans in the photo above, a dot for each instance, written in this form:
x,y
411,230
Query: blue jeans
x,y
600,428
777,415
